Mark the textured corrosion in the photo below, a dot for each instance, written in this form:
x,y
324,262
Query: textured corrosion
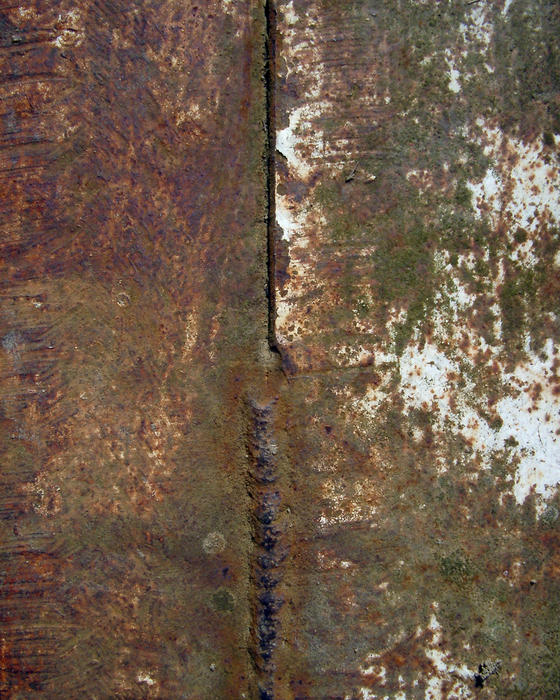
x,y
417,298
279,388
268,537
133,246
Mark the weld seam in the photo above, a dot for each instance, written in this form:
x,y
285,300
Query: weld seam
x,y
269,552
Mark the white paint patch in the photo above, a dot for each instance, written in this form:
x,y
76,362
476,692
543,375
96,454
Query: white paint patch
x,y
145,678
426,383
447,671
454,84
531,415
536,187
454,74
457,678
366,694
378,670
523,194
283,309
534,426
287,140
287,217
299,135
423,376
479,26
487,194
290,16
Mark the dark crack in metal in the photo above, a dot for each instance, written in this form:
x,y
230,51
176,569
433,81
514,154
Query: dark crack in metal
x,y
270,86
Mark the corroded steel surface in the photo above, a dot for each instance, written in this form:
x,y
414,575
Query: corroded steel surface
x,y
418,280
133,207
279,390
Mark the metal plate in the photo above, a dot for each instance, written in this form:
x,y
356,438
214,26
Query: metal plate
x,y
279,391
133,301
418,271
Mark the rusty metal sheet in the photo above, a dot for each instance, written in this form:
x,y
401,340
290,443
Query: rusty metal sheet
x,y
279,390
417,300
133,303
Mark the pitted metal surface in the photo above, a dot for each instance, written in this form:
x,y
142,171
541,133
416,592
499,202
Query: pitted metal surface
x,y
418,262
279,390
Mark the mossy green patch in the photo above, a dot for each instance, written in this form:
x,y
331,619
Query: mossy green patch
x,y
223,601
456,568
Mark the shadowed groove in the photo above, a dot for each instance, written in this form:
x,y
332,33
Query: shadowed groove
x,y
270,86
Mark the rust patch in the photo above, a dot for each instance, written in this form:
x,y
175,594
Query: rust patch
x,y
417,210
133,251
327,227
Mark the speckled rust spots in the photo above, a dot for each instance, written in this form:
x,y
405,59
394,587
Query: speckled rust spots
x,y
132,285
180,516
417,208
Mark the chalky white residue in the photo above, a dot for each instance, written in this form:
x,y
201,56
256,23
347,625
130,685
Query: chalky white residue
x,y
428,382
534,426
522,192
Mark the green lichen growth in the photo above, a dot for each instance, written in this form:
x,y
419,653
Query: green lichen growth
x,y
445,528
528,57
223,601
456,568
513,80
550,516
463,195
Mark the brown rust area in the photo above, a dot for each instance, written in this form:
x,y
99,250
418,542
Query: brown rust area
x,y
132,284
400,541
417,204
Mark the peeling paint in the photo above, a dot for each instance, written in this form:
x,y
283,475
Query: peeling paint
x,y
418,328
522,188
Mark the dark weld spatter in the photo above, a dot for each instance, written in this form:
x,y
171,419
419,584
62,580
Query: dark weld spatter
x,y
268,549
